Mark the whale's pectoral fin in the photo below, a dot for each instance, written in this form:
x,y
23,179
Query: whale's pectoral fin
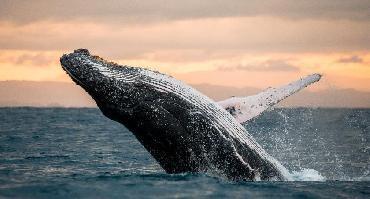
x,y
246,108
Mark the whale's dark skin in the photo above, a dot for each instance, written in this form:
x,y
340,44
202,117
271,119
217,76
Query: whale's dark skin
x,y
183,132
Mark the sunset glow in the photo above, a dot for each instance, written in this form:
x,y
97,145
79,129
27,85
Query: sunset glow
x,y
235,48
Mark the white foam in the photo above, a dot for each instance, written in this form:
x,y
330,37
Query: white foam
x,y
306,175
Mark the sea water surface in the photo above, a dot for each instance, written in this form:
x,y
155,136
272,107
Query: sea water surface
x,y
72,152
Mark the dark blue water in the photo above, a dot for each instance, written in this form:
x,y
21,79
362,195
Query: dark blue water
x,y
64,153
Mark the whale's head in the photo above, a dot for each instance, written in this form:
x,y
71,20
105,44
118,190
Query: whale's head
x,y
112,86
77,66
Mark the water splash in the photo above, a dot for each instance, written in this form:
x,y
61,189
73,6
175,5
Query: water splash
x,y
307,175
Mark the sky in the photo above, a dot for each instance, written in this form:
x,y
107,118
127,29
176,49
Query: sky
x,y
235,43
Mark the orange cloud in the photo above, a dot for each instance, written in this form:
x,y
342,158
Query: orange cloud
x,y
260,51
341,75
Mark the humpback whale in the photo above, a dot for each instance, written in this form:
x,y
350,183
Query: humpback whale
x,y
184,130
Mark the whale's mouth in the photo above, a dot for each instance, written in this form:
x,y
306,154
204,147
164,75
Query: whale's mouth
x,y
74,78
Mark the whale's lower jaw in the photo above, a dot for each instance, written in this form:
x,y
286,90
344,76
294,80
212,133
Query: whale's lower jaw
x,y
182,129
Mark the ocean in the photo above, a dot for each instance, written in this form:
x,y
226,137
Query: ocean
x,y
79,153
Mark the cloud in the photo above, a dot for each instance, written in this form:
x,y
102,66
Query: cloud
x,y
126,11
269,65
207,35
35,59
352,59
